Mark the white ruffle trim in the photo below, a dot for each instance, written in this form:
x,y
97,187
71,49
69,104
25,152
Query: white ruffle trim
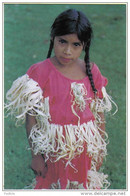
x,y
79,93
79,98
70,185
67,141
103,105
95,180
25,96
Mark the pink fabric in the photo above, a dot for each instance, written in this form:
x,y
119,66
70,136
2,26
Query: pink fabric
x,y
58,87
58,171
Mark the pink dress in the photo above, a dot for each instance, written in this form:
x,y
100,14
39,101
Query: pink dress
x,y
67,129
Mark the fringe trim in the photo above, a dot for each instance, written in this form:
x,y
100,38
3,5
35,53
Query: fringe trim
x,y
97,180
79,98
79,92
70,185
68,141
103,105
25,96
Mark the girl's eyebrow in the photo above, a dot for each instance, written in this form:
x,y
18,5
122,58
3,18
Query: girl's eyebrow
x,y
67,41
77,43
60,38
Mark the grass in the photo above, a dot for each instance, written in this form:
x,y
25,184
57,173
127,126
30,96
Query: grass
x,y
26,41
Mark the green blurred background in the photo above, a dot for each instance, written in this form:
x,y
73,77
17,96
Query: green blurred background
x,y
26,41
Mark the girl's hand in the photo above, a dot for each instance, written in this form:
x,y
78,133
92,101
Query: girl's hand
x,y
99,161
39,166
99,164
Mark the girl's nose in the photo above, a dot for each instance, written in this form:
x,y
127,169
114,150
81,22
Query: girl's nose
x,y
67,50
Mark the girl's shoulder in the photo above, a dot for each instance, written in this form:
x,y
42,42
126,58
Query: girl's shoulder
x,y
96,73
99,79
39,72
83,65
39,67
94,67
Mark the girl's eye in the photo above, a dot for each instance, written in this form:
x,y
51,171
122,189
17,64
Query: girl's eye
x,y
77,44
62,41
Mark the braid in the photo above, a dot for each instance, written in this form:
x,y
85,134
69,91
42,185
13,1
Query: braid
x,y
88,71
86,48
50,49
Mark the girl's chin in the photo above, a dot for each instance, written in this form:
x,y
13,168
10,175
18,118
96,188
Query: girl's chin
x,y
64,61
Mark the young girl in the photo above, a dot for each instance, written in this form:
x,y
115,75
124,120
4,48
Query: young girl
x,y
63,100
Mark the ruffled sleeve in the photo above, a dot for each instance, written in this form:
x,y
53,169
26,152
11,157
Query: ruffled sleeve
x,y
102,102
26,96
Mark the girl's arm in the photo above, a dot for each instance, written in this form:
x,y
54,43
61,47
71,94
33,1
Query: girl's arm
x,y
38,164
30,122
102,127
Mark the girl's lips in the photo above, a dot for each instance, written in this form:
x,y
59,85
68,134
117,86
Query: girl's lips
x,y
65,60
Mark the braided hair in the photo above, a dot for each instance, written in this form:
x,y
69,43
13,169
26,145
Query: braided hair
x,y
69,22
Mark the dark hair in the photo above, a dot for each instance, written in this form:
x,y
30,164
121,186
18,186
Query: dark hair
x,y
69,22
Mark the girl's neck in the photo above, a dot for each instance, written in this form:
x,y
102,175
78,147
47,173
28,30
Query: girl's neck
x,y
75,71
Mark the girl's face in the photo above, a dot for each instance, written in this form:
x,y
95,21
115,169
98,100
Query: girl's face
x,y
67,49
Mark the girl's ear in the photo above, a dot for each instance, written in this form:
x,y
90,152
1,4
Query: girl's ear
x,y
52,39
